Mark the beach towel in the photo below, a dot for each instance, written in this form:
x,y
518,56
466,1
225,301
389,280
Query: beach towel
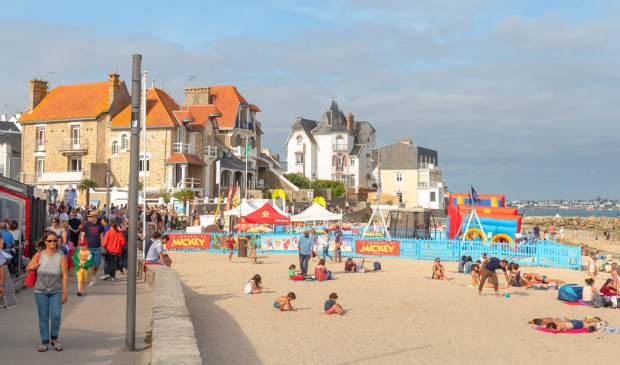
x,y
580,302
581,330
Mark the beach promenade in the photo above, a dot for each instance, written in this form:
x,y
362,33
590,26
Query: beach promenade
x,y
92,330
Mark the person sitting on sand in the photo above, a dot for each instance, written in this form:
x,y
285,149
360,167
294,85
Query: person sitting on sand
x,y
588,292
475,274
254,285
574,324
438,271
534,278
285,301
359,266
292,270
349,265
320,271
331,306
608,290
515,277
468,263
462,264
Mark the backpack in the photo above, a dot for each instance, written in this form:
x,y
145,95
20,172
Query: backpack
x,y
597,301
376,266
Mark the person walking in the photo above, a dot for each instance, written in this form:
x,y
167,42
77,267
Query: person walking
x,y
50,289
92,232
113,243
305,250
325,244
490,265
338,243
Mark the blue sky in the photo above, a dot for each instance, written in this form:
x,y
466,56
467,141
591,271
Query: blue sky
x,y
518,97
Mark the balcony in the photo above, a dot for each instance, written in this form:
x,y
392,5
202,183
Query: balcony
x,y
431,184
53,177
239,151
73,146
340,147
427,166
210,153
182,147
337,168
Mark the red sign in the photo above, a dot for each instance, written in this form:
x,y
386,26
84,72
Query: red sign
x,y
189,241
384,248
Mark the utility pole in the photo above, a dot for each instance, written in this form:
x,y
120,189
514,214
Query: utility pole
x,y
107,191
134,165
144,169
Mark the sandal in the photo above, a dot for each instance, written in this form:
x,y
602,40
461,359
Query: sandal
x,y
57,346
43,348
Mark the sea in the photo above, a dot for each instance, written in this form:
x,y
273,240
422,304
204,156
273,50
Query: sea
x,y
568,212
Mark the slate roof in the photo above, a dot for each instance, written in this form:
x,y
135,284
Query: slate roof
x,y
160,109
363,130
71,102
307,125
232,162
9,127
13,139
355,151
333,120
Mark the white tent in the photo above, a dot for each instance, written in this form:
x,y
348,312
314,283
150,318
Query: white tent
x,y
316,213
248,207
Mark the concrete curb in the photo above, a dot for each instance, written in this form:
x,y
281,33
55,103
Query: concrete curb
x,y
174,339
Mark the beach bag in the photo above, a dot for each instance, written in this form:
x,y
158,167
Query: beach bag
x,y
330,274
376,266
31,279
597,301
570,293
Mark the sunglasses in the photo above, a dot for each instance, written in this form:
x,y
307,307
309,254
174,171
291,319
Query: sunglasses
x,y
51,241
437,261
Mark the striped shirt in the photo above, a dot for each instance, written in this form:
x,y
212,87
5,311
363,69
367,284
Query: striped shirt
x,y
329,303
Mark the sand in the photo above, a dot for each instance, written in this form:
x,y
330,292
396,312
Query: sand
x,y
394,317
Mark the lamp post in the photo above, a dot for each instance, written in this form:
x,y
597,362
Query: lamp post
x,y
143,117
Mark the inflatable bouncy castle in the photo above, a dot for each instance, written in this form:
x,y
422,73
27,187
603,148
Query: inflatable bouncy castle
x,y
499,224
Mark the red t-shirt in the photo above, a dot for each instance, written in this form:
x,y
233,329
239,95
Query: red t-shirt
x,y
230,243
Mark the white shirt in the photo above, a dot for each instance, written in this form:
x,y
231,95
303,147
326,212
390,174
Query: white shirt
x,y
153,254
248,287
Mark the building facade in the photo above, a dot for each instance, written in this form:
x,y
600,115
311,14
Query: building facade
x,y
334,148
411,174
10,147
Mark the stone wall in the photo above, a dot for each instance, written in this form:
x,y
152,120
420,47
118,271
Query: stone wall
x,y
174,339
579,222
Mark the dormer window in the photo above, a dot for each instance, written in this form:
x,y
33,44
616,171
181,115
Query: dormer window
x,y
299,140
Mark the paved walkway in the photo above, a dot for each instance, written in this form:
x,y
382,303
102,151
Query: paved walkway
x,y
92,330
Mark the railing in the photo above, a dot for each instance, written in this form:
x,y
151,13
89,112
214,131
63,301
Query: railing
x,y
427,166
59,176
182,147
192,183
541,253
239,151
338,168
340,147
210,151
73,144
422,184
432,184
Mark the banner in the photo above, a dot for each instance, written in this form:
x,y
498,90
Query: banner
x,y
219,242
384,248
289,242
189,241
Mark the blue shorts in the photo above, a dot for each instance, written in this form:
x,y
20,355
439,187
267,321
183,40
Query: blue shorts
x,y
96,252
576,324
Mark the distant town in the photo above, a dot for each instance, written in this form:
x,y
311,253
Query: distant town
x,y
596,203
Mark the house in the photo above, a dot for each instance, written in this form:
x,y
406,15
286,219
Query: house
x,y
411,175
10,147
66,134
336,147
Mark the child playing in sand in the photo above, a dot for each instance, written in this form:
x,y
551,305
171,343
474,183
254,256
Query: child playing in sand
x,y
285,301
331,306
83,259
254,285
292,270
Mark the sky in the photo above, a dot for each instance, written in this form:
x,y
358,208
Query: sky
x,y
520,98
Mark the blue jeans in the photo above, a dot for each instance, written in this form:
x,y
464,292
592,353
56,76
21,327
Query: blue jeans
x,y
303,263
326,253
49,307
122,261
96,252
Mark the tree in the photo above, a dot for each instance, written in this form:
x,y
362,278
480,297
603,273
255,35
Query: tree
x,y
185,195
300,181
86,185
336,187
140,186
165,194
320,200
278,193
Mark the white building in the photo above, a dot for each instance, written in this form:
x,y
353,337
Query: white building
x,y
334,148
10,147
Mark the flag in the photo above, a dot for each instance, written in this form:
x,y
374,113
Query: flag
x,y
228,201
247,149
473,196
237,197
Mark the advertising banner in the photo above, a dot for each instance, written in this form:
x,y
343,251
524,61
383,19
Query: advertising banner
x,y
189,241
289,242
383,248
219,242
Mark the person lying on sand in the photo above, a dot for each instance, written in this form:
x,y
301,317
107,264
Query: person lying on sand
x,y
573,324
534,278
285,301
438,272
359,266
543,321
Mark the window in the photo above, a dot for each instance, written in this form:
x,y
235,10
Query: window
x,y
433,196
399,177
299,158
299,140
238,140
40,166
399,195
115,148
352,162
75,136
148,165
75,164
252,141
124,142
40,142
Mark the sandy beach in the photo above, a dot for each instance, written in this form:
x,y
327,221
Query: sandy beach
x,y
394,317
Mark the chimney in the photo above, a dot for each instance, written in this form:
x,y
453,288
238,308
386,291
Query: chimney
x,y
405,141
114,83
351,123
197,95
38,90
3,117
276,156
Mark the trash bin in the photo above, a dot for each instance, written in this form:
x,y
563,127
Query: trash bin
x,y
242,247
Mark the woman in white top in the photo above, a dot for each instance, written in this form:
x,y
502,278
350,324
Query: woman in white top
x,y
588,292
324,241
55,227
592,267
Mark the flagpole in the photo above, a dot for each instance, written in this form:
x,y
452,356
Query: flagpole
x,y
246,174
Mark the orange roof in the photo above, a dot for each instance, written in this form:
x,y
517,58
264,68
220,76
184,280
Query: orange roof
x,y
185,158
159,111
255,108
227,100
200,114
71,102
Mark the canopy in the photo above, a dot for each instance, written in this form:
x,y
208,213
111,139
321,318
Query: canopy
x,y
246,208
316,213
266,214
